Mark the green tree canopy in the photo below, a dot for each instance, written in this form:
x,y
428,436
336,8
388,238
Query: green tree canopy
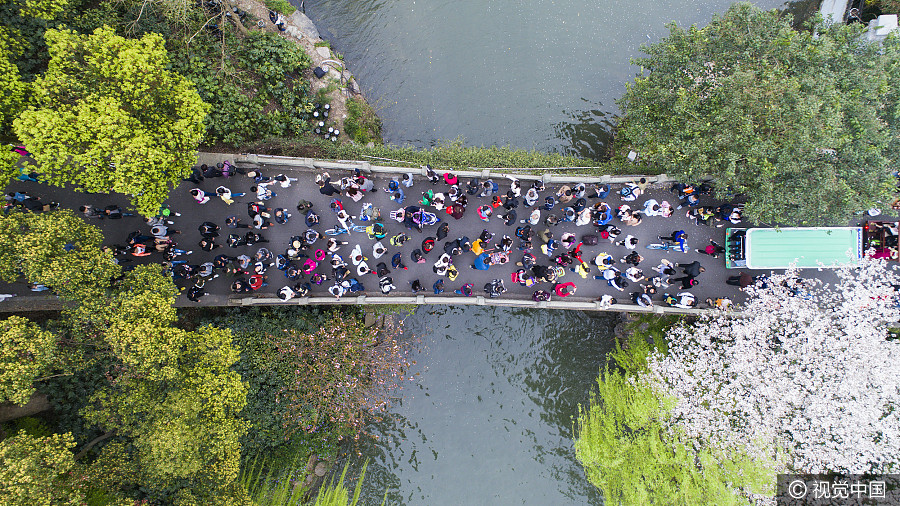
x,y
803,123
172,391
110,117
57,249
26,353
38,470
628,451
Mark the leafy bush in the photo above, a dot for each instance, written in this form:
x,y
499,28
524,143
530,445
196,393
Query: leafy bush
x,y
362,124
261,92
294,405
282,6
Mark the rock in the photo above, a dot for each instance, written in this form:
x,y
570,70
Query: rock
x,y
311,463
346,75
354,87
321,469
334,74
323,51
305,25
310,478
370,144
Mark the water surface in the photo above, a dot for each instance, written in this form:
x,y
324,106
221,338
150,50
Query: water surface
x,y
488,417
540,74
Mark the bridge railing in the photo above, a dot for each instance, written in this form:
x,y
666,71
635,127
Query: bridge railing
x,y
462,301
485,172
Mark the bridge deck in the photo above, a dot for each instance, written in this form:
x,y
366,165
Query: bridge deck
x,y
192,214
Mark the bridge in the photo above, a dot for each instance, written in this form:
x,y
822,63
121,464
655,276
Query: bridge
x,y
470,225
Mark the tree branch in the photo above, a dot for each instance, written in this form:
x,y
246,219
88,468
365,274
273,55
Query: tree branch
x,y
94,442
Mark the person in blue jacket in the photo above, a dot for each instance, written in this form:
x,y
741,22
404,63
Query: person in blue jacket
x,y
482,262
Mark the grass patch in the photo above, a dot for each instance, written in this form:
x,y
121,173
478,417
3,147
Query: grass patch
x,y
281,6
446,155
362,124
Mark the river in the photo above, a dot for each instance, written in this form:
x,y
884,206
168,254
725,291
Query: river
x,y
487,417
541,74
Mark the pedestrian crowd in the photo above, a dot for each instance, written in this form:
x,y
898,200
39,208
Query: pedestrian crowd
x,y
550,241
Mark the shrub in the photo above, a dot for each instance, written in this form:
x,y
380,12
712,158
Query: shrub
x,y
362,124
281,6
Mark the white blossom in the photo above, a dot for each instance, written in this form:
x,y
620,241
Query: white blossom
x,y
807,377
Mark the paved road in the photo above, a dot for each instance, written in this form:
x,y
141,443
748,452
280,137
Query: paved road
x,y
192,215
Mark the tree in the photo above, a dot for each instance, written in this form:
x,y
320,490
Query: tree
x,y
337,374
803,123
172,391
57,249
110,117
807,371
12,90
26,353
38,470
628,451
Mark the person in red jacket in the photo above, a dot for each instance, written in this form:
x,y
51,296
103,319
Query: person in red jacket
x,y
258,281
564,289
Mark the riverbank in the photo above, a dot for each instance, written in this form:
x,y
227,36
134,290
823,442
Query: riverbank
x,y
338,86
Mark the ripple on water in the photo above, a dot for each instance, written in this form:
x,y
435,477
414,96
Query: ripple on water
x,y
489,416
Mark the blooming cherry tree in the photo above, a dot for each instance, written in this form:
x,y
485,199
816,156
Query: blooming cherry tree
x,y
806,375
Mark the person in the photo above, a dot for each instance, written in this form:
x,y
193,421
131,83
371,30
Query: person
x,y
466,290
540,296
684,300
743,281
630,192
482,262
226,195
484,212
208,229
641,299
510,217
692,269
92,212
494,288
284,180
208,244
442,231
200,196
619,283
258,281
713,250
633,258
115,212
397,262
489,188
629,242
565,289
325,187
240,285
281,216
286,293
438,287
416,286
386,284
456,210
607,301
687,282
531,197
720,303
634,274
